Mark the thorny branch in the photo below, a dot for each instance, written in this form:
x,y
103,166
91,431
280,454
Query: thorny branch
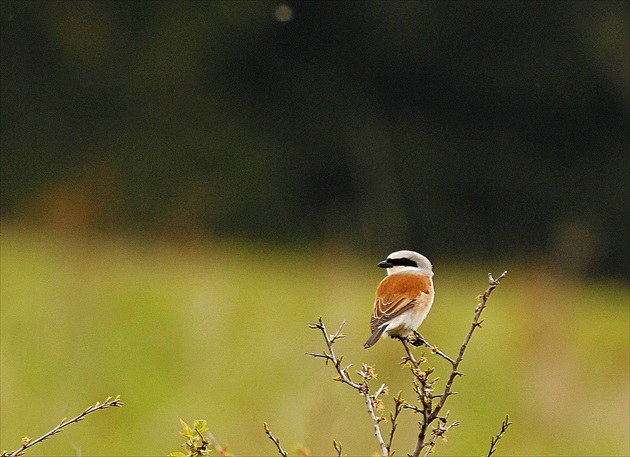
x,y
425,392
366,373
430,403
344,377
28,442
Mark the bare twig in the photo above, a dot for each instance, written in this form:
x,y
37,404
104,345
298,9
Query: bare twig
x,y
410,358
418,340
433,412
330,356
338,448
366,373
275,440
476,323
423,386
495,439
439,432
28,442
399,404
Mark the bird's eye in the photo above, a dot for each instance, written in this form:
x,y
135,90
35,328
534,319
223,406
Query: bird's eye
x,y
407,262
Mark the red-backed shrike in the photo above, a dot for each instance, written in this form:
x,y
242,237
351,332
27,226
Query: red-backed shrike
x,y
403,298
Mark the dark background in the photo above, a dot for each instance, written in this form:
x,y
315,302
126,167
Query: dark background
x,y
455,128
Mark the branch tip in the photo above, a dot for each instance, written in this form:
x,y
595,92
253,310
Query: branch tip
x,y
495,439
28,442
275,440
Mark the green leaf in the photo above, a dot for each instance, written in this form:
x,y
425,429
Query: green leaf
x,y
187,431
200,425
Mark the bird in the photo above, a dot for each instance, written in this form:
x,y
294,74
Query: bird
x,y
403,298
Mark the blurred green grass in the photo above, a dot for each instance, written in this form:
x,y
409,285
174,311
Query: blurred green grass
x,y
218,331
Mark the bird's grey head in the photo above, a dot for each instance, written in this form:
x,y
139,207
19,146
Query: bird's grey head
x,y
400,261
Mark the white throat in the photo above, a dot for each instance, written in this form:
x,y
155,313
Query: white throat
x,y
408,269
403,269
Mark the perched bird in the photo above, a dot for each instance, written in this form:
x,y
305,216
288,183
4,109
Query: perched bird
x,y
403,298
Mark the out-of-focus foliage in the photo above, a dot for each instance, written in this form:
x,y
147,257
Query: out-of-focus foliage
x,y
460,128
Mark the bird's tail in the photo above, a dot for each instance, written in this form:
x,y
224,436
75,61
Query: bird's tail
x,y
376,335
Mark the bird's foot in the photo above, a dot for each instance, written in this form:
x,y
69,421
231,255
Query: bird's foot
x,y
416,339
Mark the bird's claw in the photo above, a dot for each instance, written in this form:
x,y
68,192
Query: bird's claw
x,y
416,339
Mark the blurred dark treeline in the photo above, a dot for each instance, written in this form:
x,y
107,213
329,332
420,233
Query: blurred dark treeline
x,y
458,128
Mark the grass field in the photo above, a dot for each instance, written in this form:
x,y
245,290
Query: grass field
x,y
218,331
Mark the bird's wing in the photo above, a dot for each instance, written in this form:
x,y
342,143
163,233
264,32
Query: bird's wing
x,y
396,294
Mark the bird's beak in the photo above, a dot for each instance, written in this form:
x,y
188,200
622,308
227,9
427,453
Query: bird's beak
x,y
385,264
